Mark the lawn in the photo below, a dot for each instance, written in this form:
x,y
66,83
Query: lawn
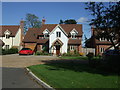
x,y
74,75
74,57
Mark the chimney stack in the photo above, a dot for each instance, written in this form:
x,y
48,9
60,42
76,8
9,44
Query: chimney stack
x,y
22,32
92,30
43,21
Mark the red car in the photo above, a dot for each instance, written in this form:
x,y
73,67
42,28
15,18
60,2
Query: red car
x,y
26,51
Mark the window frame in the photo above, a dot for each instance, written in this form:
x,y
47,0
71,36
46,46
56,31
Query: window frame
x,y
58,34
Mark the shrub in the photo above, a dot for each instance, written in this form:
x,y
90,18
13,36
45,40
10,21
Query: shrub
x,y
81,54
38,53
9,51
90,55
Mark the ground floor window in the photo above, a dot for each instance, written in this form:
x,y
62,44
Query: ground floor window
x,y
72,47
101,50
6,46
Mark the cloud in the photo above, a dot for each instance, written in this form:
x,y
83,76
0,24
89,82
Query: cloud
x,y
82,20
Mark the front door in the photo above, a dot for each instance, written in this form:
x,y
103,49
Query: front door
x,y
57,49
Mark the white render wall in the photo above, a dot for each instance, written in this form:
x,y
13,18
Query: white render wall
x,y
53,38
12,41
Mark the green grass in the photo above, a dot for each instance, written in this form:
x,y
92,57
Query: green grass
x,y
74,57
74,75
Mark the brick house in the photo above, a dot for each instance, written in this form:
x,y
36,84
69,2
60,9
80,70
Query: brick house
x,y
99,43
11,36
54,38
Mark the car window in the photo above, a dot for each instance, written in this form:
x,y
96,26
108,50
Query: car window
x,y
26,49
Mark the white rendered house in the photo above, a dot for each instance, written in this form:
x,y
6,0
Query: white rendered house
x,y
11,35
55,38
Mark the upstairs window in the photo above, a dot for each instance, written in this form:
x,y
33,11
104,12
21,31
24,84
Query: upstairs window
x,y
103,39
7,36
73,36
46,35
58,34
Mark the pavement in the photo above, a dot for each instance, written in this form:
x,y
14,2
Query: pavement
x,y
13,70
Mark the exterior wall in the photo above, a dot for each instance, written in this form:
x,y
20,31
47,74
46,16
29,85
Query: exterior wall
x,y
98,48
53,38
12,41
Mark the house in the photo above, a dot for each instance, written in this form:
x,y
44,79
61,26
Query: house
x,y
11,36
100,43
54,38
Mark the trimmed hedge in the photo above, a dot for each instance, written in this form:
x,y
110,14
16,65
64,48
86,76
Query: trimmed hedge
x,y
8,51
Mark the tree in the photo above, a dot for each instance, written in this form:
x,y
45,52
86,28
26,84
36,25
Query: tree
x,y
61,22
106,20
68,21
31,21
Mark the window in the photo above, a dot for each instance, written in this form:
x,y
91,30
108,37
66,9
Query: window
x,y
71,47
103,39
58,34
7,36
101,50
46,35
73,36
6,46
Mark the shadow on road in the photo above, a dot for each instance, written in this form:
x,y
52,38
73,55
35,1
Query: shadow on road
x,y
17,78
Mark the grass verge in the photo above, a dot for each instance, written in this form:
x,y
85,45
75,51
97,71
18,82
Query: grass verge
x,y
74,75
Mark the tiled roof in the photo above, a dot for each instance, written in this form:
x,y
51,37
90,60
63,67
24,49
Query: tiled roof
x,y
32,33
74,41
42,41
12,28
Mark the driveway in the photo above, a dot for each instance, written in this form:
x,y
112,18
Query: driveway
x,y
13,70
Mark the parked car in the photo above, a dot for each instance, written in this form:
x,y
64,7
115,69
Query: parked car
x,y
26,51
111,53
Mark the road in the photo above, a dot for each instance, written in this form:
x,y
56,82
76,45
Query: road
x,y
13,70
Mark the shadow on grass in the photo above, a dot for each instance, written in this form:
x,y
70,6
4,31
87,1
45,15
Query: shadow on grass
x,y
78,66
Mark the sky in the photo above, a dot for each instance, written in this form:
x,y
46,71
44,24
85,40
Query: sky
x,y
13,12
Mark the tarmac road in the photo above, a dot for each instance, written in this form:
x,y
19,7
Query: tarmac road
x,y
13,70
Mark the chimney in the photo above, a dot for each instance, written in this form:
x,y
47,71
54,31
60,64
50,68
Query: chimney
x,y
22,27
92,30
22,32
43,21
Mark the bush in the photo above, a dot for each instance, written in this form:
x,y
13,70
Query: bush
x,y
9,51
90,55
81,54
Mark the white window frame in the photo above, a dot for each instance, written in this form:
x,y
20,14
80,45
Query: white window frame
x,y
73,36
72,48
7,36
102,50
6,46
58,34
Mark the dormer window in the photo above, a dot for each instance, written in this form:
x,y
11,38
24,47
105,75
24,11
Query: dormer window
x,y
46,33
7,34
73,36
74,33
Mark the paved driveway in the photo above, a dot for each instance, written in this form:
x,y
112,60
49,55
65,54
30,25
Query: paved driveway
x,y
13,72
23,61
